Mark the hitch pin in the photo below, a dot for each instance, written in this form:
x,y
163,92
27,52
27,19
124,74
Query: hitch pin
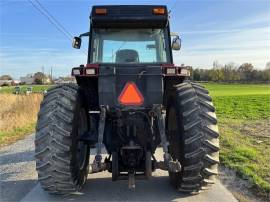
x,y
131,180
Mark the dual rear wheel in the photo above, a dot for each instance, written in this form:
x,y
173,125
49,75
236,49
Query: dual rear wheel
x,y
62,160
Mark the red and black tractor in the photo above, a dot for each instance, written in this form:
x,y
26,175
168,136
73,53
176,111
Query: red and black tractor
x,y
129,100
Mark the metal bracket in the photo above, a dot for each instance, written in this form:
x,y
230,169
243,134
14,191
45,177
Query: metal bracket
x,y
168,164
87,138
97,166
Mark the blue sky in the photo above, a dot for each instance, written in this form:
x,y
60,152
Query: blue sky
x,y
226,31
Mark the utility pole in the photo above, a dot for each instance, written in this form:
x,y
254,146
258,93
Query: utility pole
x,y
42,75
51,75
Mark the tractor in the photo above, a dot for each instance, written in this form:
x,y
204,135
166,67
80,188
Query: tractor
x,y
129,100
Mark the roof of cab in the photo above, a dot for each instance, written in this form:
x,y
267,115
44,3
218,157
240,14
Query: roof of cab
x,y
129,16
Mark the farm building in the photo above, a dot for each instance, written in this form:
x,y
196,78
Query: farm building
x,y
28,79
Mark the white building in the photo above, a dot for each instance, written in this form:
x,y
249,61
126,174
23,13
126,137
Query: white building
x,y
28,79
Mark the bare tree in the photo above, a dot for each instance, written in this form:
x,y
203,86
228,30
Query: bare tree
x,y
5,77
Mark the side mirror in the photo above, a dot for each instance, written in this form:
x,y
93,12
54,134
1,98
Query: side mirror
x,y
176,43
76,43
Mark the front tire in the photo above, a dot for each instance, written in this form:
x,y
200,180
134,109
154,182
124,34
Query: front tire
x,y
61,159
193,137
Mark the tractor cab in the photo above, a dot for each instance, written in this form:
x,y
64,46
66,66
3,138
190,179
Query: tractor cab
x,y
144,29
129,44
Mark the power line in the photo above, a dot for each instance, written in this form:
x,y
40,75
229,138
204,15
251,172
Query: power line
x,y
42,10
49,19
55,20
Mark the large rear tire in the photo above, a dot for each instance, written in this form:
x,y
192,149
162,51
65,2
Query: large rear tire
x,y
62,161
193,137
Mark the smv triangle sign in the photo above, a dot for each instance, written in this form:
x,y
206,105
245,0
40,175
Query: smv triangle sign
x,y
130,95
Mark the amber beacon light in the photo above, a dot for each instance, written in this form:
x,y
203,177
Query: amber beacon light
x,y
101,11
159,11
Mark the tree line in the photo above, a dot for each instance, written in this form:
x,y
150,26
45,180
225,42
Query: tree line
x,y
231,73
218,73
38,78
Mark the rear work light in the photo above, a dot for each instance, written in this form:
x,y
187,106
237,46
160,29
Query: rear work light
x,y
170,70
184,72
86,70
131,95
76,72
159,11
90,71
101,11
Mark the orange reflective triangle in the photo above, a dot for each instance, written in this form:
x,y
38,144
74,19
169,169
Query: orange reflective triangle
x,y
131,95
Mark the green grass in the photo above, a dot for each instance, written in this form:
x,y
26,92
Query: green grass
x,y
243,111
237,89
8,137
241,101
247,107
36,88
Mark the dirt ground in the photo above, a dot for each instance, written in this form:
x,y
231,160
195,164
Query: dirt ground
x,y
258,129
240,188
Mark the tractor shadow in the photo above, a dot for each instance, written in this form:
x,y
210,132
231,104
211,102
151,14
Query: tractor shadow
x,y
156,189
100,188
18,157
15,190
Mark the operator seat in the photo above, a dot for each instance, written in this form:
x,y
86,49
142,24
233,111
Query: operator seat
x,y
126,55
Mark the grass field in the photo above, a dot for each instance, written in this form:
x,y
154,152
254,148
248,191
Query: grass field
x,y
237,89
244,122
18,114
238,101
36,88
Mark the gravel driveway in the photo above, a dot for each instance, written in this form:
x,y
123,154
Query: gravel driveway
x,y
17,169
18,182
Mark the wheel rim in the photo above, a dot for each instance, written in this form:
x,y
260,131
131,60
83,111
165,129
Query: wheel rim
x,y
82,148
